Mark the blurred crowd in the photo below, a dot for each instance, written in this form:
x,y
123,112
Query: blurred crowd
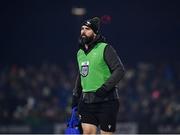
x,y
35,94
149,95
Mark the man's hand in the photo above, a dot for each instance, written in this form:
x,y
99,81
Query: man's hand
x,y
74,109
101,92
75,101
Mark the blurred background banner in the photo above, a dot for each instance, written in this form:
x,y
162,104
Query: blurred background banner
x,y
38,44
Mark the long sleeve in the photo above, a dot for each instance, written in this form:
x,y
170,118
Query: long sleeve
x,y
77,91
115,65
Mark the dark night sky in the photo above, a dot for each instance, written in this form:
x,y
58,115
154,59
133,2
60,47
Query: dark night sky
x,y
33,31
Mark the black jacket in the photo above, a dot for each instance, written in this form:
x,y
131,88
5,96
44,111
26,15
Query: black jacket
x,y
108,91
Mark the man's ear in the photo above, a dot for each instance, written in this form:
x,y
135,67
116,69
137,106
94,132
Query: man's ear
x,y
95,35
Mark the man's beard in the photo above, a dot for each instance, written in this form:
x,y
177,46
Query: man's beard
x,y
86,40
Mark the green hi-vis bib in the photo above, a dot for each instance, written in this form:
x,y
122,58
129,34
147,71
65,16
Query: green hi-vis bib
x,y
93,69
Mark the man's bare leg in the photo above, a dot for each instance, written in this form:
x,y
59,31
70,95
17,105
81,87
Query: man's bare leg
x,y
89,128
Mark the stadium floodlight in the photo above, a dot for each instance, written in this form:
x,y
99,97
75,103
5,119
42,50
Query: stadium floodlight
x,y
78,11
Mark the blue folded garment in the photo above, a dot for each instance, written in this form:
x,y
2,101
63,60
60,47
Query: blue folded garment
x,y
73,123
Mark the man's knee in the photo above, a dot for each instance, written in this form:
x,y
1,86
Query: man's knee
x,y
107,133
89,128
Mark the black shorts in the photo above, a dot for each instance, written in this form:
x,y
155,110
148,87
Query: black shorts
x,y
102,114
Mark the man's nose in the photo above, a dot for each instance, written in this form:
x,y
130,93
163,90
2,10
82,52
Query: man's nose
x,y
83,32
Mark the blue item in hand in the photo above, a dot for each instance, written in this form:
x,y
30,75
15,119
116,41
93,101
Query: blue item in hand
x,y
73,123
